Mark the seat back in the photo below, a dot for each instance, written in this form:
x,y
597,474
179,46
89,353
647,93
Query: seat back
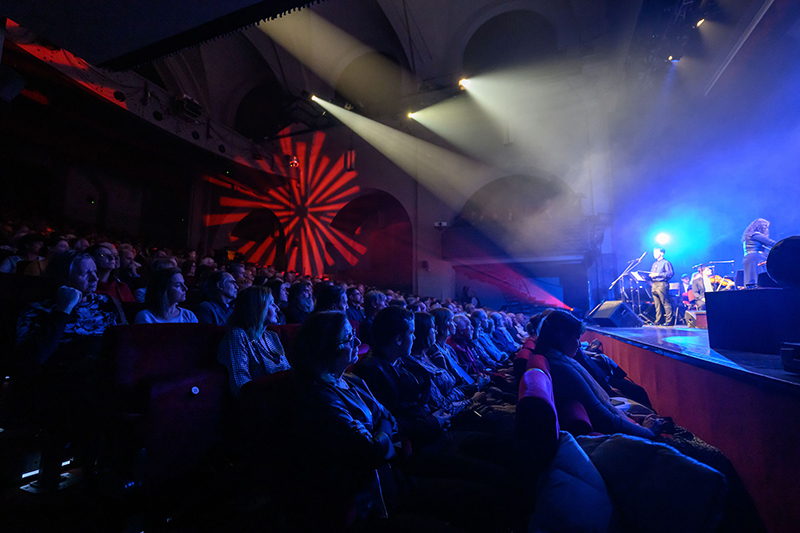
x,y
287,333
536,416
168,394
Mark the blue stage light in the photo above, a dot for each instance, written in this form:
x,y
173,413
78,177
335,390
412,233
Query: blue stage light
x,y
663,239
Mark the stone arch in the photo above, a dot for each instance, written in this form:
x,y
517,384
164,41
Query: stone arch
x,y
519,216
380,222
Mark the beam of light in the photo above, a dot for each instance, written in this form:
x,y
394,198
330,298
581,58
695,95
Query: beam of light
x,y
450,176
320,46
663,239
465,83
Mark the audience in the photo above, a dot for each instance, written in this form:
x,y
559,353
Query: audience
x,y
28,247
374,301
108,284
331,298
165,291
249,349
220,290
301,302
55,245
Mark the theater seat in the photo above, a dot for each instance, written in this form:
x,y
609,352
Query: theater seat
x,y
168,397
287,333
537,418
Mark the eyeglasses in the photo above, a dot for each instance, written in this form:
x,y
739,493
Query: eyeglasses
x,y
104,255
350,338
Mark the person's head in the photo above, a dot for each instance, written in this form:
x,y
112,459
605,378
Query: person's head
x,y
325,345
279,289
498,320
374,301
114,251
127,257
74,269
706,271
560,331
331,298
685,278
103,257
80,244
464,329
255,309
238,271
759,225
443,320
30,245
658,253
393,332
300,295
56,245
424,332
165,289
354,297
163,263
220,287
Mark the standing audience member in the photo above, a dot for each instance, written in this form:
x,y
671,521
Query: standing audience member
x,y
220,289
249,350
108,284
165,291
374,301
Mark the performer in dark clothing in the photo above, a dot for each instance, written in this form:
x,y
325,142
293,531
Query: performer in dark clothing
x,y
756,242
660,274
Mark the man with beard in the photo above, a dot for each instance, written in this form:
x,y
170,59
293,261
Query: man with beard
x,y
301,302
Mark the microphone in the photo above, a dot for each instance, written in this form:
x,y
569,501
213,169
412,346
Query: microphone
x,y
644,254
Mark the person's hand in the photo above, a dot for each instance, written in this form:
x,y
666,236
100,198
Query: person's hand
x,y
67,298
443,417
654,423
479,396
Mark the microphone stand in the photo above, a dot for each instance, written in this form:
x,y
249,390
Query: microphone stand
x,y
632,264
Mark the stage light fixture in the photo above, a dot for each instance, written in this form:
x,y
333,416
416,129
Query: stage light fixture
x,y
412,115
465,84
662,239
699,23
314,97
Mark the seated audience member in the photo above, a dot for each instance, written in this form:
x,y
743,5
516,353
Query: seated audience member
x,y
58,349
559,340
355,305
220,290
374,301
80,244
249,350
28,247
280,293
461,342
501,336
127,272
346,433
239,273
301,302
392,383
165,291
55,245
483,340
108,284
156,265
441,353
444,392
331,298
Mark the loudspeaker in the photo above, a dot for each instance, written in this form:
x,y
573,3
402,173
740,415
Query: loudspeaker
x,y
614,314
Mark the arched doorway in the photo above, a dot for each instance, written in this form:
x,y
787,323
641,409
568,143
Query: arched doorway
x,y
379,221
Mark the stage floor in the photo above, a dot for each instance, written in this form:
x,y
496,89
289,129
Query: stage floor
x,y
690,345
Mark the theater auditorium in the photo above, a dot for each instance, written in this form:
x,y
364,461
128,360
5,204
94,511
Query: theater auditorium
x,y
400,265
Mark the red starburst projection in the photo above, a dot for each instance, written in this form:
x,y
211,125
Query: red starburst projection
x,y
314,193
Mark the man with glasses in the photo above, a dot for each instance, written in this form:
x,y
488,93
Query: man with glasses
x,y
355,309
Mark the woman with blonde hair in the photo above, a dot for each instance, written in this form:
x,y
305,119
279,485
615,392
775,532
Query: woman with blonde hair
x,y
249,350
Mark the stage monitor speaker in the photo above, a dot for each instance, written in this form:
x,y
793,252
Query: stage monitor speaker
x,y
614,314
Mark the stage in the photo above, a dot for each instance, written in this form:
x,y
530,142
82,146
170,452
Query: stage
x,y
743,403
690,345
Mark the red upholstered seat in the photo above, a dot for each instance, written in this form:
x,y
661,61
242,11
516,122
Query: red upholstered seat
x,y
287,333
536,416
168,395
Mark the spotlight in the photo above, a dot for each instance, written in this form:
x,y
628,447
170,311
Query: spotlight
x,y
699,23
674,59
465,84
662,239
412,115
314,97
